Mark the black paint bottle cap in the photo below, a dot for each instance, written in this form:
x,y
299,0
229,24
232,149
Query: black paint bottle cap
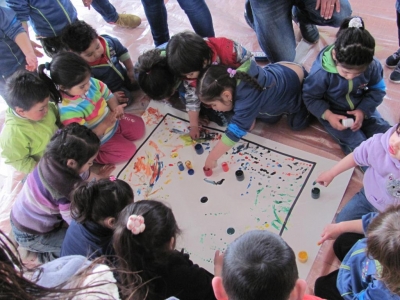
x,y
239,175
315,193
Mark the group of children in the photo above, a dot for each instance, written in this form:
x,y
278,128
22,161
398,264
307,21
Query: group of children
x,y
70,115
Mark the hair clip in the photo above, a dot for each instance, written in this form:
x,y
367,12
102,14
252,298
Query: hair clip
x,y
136,224
47,65
355,23
112,178
58,131
231,72
214,63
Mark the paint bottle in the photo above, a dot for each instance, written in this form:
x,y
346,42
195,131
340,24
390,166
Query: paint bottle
x,y
199,149
190,171
180,166
208,172
302,256
225,166
315,192
188,164
239,175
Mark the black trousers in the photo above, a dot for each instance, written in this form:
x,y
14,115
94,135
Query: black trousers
x,y
325,286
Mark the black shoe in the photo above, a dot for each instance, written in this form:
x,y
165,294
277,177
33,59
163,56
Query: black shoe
x,y
393,60
308,31
395,76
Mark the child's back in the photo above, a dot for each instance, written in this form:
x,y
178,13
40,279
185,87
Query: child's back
x,y
31,121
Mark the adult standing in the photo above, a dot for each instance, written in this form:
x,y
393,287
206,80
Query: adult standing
x,y
272,22
197,11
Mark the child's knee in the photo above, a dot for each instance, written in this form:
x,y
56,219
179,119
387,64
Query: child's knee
x,y
134,127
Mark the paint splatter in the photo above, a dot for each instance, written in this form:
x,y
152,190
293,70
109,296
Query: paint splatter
x,y
214,182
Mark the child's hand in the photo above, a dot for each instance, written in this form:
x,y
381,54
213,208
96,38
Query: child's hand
x,y
119,111
106,170
330,232
121,97
218,262
359,115
210,163
36,51
325,178
194,132
334,120
32,61
87,3
110,119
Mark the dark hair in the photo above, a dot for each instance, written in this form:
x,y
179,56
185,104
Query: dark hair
x,y
154,76
259,265
354,45
148,251
383,244
187,52
14,283
215,79
78,36
97,200
25,89
67,69
75,142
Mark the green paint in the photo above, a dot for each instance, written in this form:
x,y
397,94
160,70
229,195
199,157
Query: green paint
x,y
202,237
258,194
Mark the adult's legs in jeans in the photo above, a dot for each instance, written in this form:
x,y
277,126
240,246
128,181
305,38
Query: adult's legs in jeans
x,y
106,10
309,15
355,208
156,15
374,124
273,19
199,16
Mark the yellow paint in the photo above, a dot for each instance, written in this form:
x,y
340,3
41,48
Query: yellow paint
x,y
174,154
302,256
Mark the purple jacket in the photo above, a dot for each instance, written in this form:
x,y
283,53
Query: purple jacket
x,y
382,178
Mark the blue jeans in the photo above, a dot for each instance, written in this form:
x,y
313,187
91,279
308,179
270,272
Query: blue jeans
x,y
356,208
106,10
349,140
48,245
272,22
197,11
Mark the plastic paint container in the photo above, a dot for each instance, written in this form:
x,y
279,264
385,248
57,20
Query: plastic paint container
x,y
190,171
315,192
188,164
180,166
199,149
239,175
225,166
207,172
302,256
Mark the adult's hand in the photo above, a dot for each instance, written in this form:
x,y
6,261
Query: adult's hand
x,y
327,7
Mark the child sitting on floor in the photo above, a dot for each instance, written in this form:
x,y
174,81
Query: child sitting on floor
x,y
94,208
252,92
89,102
31,120
258,265
38,215
188,53
370,269
381,154
104,54
346,84
144,240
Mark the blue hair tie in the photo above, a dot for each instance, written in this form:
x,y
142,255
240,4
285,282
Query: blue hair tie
x,y
47,66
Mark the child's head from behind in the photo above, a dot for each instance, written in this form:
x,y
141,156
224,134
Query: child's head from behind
x,y
28,95
81,38
100,201
142,251
354,48
75,147
154,76
70,72
187,54
383,244
259,265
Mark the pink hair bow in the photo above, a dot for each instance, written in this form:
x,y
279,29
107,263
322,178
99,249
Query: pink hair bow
x,y
231,72
136,224
112,178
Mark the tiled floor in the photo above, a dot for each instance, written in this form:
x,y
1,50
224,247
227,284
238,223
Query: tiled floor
x,y
229,22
